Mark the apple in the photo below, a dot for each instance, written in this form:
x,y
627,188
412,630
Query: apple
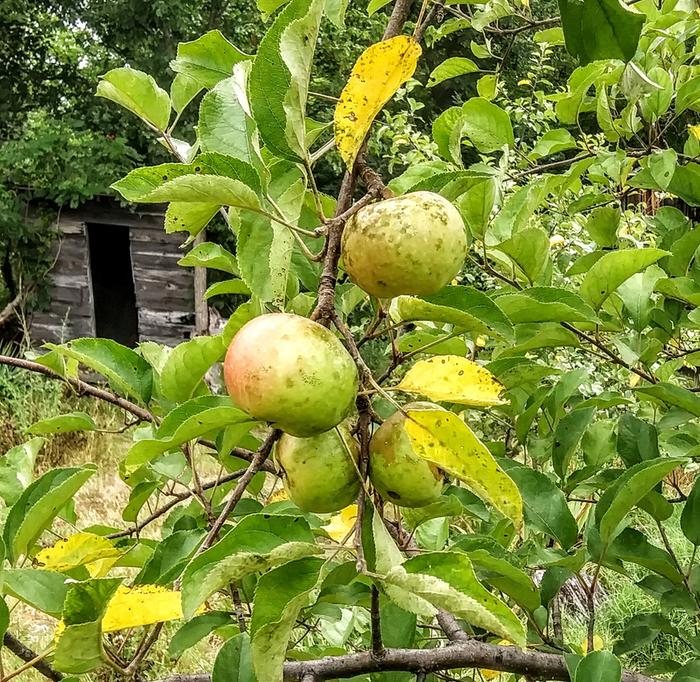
x,y
291,372
398,473
320,475
413,244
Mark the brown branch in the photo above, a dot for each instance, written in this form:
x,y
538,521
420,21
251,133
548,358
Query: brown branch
x,y
267,467
247,476
329,274
469,654
82,387
26,654
376,623
399,16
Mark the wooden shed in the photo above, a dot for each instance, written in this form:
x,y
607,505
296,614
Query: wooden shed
x,y
115,275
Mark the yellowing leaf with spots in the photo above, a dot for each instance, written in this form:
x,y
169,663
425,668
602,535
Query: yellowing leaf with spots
x,y
379,72
342,524
453,379
81,549
134,607
444,439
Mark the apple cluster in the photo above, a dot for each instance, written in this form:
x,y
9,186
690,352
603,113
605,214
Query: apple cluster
x,y
296,374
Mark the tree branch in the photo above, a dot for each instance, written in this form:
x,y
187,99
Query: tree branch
x,y
82,387
255,465
26,654
470,654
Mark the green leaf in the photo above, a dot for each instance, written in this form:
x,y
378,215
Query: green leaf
x,y
183,90
553,142
257,543
208,59
447,581
683,289
233,661
17,470
567,436
602,225
529,250
42,590
63,423
670,394
187,364
188,421
545,304
39,505
544,503
688,96
210,255
451,68
140,182
205,189
196,629
690,517
637,441
599,666
79,645
279,79
170,558
139,93
415,341
465,307
227,286
600,29
685,183
225,124
476,205
265,247
505,577
632,545
335,10
627,491
612,269
486,125
279,597
125,369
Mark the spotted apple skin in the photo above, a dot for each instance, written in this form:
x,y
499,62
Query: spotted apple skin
x,y
414,244
291,372
320,472
399,474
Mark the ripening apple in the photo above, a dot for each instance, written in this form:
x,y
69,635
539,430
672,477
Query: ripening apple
x,y
398,473
292,372
413,244
320,473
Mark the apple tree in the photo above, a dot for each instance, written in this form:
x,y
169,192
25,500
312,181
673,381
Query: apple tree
x,y
448,393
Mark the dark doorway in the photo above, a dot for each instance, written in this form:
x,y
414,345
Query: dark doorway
x,y
113,284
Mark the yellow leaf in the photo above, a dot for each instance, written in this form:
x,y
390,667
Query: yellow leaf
x,y
278,496
379,72
81,549
695,131
133,607
444,439
341,525
453,379
525,81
